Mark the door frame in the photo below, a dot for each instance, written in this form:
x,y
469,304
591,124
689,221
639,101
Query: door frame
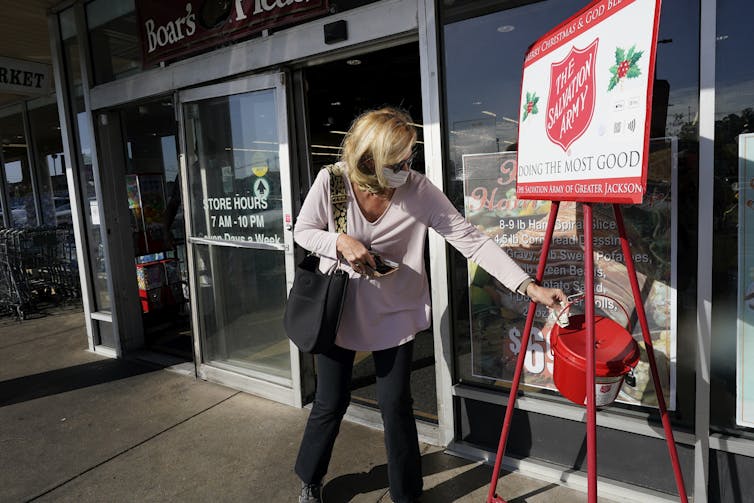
x,y
274,388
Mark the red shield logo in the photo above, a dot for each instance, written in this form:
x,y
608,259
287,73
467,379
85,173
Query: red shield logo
x,y
570,104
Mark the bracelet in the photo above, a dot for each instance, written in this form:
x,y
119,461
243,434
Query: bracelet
x,y
524,285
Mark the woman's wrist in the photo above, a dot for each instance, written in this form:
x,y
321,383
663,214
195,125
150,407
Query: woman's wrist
x,y
524,286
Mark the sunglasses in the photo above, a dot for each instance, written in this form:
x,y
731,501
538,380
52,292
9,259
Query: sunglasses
x,y
398,167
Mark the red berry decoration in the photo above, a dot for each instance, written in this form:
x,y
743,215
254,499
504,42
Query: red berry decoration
x,y
623,69
529,106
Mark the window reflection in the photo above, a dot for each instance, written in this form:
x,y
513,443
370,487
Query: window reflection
x,y
90,204
734,120
241,296
234,179
50,163
237,177
483,58
114,39
17,172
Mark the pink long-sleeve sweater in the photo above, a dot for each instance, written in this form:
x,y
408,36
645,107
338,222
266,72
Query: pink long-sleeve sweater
x,y
384,312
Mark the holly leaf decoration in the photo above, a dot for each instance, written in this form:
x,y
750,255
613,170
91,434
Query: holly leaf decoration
x,y
613,82
620,55
530,107
626,66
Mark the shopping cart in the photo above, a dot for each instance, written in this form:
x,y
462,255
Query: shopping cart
x,y
37,266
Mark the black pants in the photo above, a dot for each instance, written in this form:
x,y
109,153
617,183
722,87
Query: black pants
x,y
334,370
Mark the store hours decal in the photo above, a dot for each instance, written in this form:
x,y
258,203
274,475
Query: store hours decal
x,y
243,217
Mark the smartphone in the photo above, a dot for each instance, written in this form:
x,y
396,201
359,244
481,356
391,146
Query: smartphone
x,y
383,266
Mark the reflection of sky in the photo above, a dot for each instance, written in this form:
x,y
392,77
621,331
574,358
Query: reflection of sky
x,y
734,71
254,131
169,157
85,137
484,65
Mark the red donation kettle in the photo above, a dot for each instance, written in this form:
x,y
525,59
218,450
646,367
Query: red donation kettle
x,y
616,354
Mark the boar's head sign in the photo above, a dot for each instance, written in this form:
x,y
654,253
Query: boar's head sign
x,y
570,104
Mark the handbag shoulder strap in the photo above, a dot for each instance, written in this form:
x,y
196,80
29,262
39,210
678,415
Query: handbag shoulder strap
x,y
338,198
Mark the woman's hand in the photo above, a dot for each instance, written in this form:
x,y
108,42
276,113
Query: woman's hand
x,y
356,254
550,297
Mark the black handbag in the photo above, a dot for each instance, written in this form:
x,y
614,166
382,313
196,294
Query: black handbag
x,y
315,302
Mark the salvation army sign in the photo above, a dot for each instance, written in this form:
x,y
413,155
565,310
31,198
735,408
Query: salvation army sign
x,y
570,104
594,74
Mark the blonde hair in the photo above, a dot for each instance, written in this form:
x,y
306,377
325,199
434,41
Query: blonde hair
x,y
376,139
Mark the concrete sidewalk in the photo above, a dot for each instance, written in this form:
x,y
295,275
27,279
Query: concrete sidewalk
x,y
78,427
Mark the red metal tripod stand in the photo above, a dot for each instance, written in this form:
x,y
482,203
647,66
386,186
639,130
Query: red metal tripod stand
x,y
591,423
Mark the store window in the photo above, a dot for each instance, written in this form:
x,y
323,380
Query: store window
x,y
732,380
16,170
113,39
85,171
50,162
233,155
483,56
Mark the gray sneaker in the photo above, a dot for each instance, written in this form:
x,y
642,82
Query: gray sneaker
x,y
310,493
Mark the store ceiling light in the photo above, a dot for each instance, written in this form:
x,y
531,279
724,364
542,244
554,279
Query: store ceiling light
x,y
506,28
236,149
491,114
333,131
353,62
327,146
514,121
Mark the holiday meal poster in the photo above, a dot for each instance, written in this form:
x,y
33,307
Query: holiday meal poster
x,y
497,315
585,101
745,339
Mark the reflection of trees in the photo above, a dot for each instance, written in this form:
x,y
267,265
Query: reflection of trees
x,y
727,130
725,219
683,128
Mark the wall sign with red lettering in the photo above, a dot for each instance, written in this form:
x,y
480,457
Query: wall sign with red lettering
x,y
170,29
586,97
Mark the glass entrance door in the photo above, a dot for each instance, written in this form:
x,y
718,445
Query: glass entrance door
x,y
240,242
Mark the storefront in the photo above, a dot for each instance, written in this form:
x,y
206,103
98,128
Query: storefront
x,y
37,246
195,131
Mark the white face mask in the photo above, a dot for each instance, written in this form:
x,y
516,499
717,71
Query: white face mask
x,y
395,180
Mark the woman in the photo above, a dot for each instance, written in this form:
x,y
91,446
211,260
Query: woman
x,y
389,209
